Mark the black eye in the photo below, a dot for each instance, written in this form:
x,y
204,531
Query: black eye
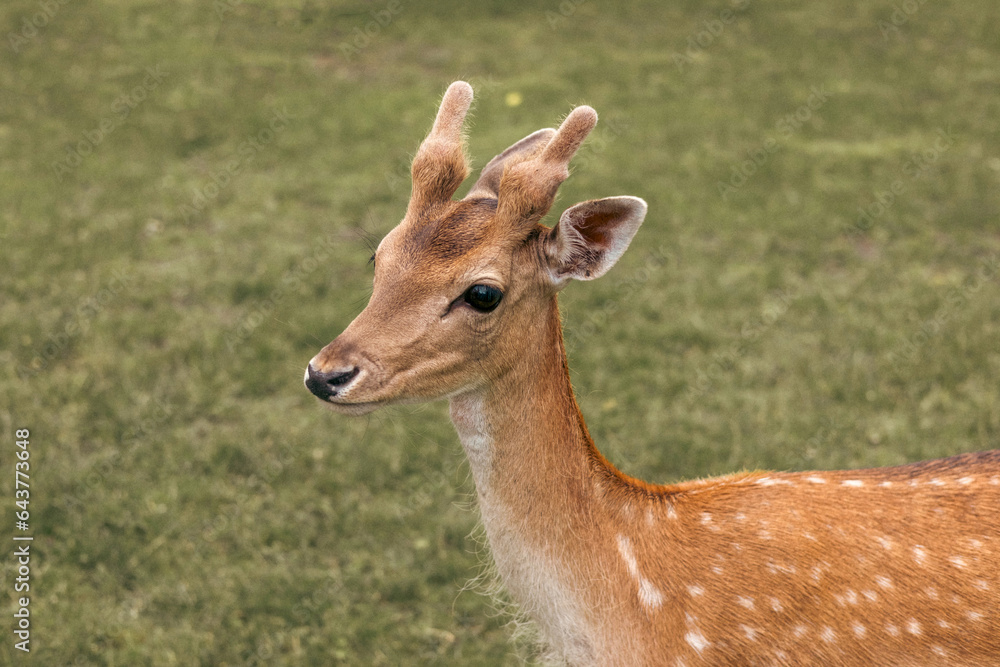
x,y
483,298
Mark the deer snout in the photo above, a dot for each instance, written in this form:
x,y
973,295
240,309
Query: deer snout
x,y
332,372
326,384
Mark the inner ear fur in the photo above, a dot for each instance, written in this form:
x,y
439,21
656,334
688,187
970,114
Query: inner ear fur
x,y
591,236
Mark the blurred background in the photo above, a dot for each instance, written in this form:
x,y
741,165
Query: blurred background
x,y
188,195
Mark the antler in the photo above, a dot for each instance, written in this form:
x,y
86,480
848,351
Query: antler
x,y
524,178
440,166
528,188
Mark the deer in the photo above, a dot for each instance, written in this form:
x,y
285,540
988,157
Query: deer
x,y
883,566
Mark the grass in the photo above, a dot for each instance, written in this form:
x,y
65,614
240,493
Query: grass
x,y
816,286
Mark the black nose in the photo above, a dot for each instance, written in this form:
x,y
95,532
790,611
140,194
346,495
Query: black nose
x,y
324,385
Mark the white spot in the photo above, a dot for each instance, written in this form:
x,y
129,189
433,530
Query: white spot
x,y
706,518
764,534
781,655
744,602
625,549
885,542
859,630
817,573
965,481
775,568
938,651
944,624
649,595
810,536
770,481
740,516
883,582
671,512
975,615
931,592
696,640
717,569
828,635
650,519
856,483
958,562
975,544
695,591
813,479
937,482
982,585
886,484
919,555
913,627
800,631
776,605
892,629
870,595
995,480
749,632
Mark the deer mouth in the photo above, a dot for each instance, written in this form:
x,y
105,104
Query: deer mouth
x,y
327,385
333,388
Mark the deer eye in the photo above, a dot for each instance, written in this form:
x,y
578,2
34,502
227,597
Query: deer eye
x,y
483,298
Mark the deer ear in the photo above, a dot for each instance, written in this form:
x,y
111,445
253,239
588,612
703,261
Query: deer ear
x,y
488,184
591,236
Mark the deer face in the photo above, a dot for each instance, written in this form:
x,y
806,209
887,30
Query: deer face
x,y
446,306
459,286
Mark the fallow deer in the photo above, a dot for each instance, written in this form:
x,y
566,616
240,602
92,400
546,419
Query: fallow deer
x,y
885,566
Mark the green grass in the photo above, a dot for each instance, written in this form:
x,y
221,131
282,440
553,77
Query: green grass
x,y
192,504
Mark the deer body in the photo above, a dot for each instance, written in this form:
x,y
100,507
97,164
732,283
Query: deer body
x,y
889,566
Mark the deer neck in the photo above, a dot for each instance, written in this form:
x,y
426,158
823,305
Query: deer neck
x,y
533,464
525,438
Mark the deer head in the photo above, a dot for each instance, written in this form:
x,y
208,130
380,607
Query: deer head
x,y
459,285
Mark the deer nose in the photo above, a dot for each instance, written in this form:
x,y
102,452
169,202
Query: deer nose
x,y
325,384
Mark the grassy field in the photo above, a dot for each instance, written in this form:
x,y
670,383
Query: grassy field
x,y
187,195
